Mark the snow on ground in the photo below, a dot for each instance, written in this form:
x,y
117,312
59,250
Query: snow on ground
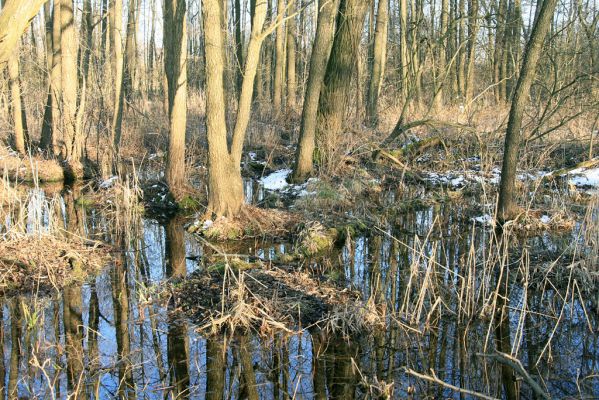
x,y
277,180
584,178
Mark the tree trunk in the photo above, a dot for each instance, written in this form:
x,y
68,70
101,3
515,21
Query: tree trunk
x,y
175,61
377,71
341,68
439,99
46,135
130,64
506,207
72,143
15,101
238,47
403,43
116,27
472,33
225,186
325,29
291,62
279,60
14,20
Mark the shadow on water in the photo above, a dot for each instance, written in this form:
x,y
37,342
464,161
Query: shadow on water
x,y
111,338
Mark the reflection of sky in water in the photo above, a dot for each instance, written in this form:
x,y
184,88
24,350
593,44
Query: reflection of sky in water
x,y
573,350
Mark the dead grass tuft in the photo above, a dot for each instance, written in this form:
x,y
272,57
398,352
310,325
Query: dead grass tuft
x,y
271,300
30,169
41,263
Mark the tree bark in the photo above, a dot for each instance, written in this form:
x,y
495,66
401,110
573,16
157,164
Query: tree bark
x,y
325,29
471,63
225,186
291,63
116,27
46,135
15,100
377,68
72,145
341,68
175,30
15,18
279,61
506,206
130,64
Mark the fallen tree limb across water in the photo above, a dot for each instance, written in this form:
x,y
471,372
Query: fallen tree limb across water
x,y
434,379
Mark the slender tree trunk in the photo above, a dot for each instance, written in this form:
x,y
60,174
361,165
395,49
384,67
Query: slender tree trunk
x,y
439,99
175,30
238,46
130,63
46,135
377,71
279,61
116,27
325,29
15,101
403,43
506,207
341,67
291,64
472,34
72,143
498,51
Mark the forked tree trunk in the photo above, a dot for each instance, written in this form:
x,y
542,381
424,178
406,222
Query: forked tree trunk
x,y
175,61
506,206
325,29
377,68
225,186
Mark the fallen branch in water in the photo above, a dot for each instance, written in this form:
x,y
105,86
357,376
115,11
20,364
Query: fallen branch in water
x,y
517,366
436,380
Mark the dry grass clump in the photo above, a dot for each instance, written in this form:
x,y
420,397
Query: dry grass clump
x,y
41,263
270,300
252,222
29,169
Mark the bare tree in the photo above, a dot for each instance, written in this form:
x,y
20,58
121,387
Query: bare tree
x,y
506,206
377,68
175,61
325,29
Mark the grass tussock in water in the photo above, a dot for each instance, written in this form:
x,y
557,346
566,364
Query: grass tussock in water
x,y
41,263
31,169
271,300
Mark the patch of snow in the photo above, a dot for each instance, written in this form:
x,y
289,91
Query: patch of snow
x,y
108,183
253,156
207,224
277,180
485,219
545,219
584,178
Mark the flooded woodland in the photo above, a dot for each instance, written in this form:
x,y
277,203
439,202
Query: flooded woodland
x,y
299,199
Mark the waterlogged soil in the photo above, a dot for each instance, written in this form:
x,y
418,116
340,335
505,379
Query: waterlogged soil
x,y
122,335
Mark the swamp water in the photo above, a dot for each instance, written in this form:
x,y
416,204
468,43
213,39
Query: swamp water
x,y
115,337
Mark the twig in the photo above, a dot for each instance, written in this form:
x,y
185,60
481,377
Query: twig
x,y
438,381
517,366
